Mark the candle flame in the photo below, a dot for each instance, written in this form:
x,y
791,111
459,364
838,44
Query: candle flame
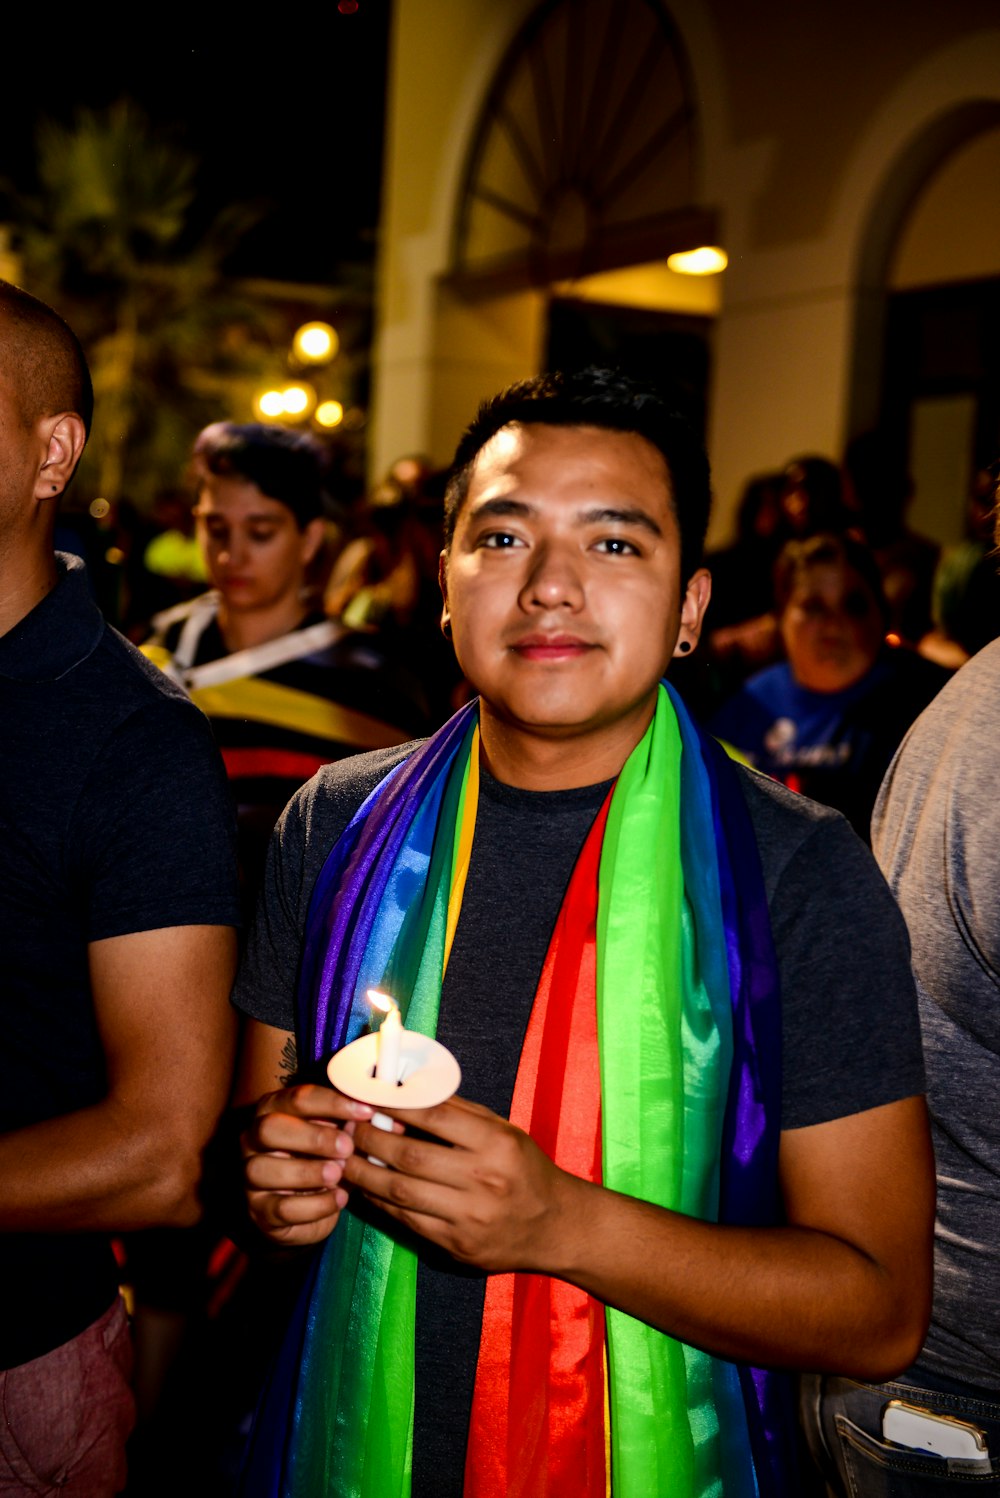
x,y
380,1000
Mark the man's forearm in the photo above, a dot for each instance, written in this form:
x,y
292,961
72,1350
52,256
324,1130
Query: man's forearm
x,y
100,1169
845,1286
784,1296
134,1159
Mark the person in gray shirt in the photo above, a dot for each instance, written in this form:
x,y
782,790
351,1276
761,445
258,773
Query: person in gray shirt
x,y
936,835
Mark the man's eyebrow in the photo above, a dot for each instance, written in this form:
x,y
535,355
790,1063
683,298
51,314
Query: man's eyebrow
x,y
498,507
613,515
600,515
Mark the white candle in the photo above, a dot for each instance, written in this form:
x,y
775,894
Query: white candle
x,y
389,1039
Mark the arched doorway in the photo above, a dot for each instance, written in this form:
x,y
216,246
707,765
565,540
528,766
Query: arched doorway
x,y
927,351
582,176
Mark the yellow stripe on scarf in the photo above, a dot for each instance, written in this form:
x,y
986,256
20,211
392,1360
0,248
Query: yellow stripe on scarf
x,y
286,707
463,845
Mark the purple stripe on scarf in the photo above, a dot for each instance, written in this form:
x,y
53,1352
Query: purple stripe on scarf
x,y
357,872
749,1192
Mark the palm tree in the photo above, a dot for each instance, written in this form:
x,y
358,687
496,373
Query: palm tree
x,y
107,239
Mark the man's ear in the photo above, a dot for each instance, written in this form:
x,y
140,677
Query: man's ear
x,y
693,606
443,585
64,438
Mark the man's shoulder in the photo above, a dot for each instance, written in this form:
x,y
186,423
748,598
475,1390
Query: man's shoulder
x,y
318,813
134,691
943,772
135,672
785,822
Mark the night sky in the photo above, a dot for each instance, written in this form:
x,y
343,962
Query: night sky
x,y
289,115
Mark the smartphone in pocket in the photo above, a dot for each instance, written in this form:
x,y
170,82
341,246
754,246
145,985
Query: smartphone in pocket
x,y
939,1435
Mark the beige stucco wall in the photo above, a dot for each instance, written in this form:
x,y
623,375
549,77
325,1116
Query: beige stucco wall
x,y
435,358
817,123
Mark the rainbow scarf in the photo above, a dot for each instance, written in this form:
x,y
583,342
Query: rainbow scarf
x,y
658,1006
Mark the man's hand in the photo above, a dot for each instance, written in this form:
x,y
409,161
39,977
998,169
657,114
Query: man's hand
x,y
294,1156
487,1194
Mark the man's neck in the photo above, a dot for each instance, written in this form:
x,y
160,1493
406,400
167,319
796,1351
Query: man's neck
x,y
536,762
242,631
26,576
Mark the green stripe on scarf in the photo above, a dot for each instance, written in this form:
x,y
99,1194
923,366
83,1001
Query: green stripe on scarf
x,y
664,1073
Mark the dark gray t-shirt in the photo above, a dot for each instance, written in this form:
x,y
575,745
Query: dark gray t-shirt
x,y
840,944
936,833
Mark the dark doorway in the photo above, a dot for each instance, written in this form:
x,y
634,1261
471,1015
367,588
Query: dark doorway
x,y
941,396
672,348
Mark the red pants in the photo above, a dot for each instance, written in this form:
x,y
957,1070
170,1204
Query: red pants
x,y
65,1417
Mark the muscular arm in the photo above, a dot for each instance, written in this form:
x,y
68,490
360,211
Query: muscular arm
x,y
844,1286
133,1160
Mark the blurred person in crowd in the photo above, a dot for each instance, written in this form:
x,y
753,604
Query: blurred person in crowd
x,y
741,632
741,573
803,499
936,834
879,480
118,902
386,577
812,499
497,1308
375,580
172,562
827,720
966,594
286,688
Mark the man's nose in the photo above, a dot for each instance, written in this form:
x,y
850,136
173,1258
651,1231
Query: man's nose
x,y
554,580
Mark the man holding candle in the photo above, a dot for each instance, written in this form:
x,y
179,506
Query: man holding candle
x,y
684,1157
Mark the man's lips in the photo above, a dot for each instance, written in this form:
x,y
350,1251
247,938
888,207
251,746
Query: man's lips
x,y
539,647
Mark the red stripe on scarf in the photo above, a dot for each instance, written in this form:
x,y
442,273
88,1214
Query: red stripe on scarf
x,y
285,764
537,1423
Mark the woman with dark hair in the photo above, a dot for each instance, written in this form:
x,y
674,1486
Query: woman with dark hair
x,y
828,719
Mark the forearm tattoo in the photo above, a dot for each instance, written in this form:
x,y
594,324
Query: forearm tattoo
x,y
289,1062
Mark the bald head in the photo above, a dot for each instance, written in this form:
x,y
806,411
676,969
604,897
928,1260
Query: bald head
x,y
41,359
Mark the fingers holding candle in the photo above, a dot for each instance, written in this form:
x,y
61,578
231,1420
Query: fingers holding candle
x,y
486,1194
294,1156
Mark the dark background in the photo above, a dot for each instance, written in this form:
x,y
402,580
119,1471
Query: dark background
x,y
288,114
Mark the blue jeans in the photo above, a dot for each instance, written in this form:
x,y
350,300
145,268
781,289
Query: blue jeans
x,y
842,1421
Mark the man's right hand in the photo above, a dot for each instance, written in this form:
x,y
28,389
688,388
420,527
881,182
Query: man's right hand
x,y
294,1154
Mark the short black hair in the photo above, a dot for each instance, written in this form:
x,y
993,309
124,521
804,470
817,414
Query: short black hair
x,y
43,358
596,397
285,465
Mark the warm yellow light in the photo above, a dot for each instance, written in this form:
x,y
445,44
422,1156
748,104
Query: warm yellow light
x,y
330,414
315,343
99,507
271,403
708,260
295,399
